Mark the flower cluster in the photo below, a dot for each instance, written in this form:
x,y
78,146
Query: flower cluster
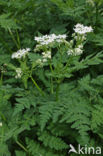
x,y
45,56
39,62
18,72
0,124
91,2
20,53
47,39
76,51
81,29
79,36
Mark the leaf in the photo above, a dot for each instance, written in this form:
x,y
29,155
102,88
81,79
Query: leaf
x,y
20,153
8,23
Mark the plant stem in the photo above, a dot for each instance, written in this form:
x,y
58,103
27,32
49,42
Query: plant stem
x,y
96,22
51,67
1,79
52,90
2,134
52,87
18,38
22,146
34,82
2,116
13,38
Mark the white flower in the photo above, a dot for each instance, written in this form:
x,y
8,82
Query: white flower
x,y
47,54
81,29
71,42
19,73
47,39
91,2
61,37
44,60
0,124
80,46
76,51
83,38
39,62
20,53
70,52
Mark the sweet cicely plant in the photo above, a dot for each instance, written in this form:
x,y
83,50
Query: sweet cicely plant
x,y
58,56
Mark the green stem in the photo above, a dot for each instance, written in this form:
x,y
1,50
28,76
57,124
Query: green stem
x,y
13,38
39,89
51,67
2,134
2,116
1,79
96,22
22,146
52,87
18,39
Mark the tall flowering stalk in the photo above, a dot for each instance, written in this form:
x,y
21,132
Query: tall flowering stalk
x,y
73,48
56,53
20,55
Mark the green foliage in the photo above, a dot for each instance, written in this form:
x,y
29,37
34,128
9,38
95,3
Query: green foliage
x,y
97,118
20,153
58,102
7,23
36,149
52,141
